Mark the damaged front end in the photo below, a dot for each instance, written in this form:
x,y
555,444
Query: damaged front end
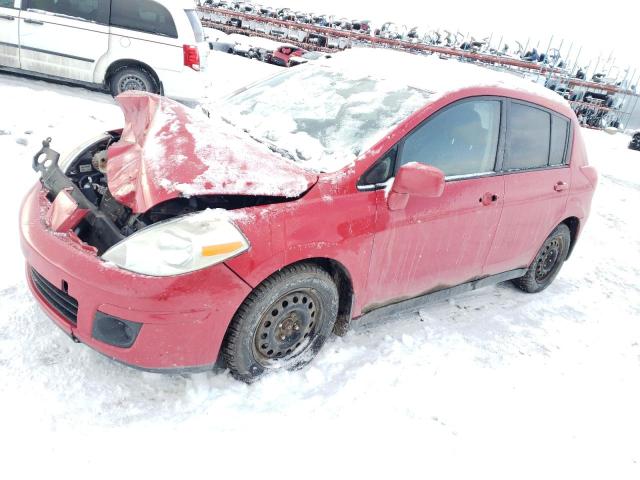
x,y
81,203
77,199
167,162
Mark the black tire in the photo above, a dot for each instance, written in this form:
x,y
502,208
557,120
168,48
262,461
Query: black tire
x,y
548,261
132,78
283,323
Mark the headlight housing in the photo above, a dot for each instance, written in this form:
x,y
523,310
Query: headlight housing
x,y
180,245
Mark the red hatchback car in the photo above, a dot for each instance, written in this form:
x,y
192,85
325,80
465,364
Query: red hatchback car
x,y
319,195
282,55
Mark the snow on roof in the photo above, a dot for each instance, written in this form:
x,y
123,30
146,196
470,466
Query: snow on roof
x,y
434,74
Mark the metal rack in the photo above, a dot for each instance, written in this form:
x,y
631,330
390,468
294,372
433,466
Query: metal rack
x,y
336,39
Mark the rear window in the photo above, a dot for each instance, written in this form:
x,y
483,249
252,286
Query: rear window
x,y
194,20
90,10
528,137
143,16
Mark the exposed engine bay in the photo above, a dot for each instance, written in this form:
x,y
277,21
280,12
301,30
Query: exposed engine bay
x,y
108,221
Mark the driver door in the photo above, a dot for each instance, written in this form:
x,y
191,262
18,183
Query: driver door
x,y
436,243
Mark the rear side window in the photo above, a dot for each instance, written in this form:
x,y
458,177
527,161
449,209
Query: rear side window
x,y
143,16
461,140
91,10
559,137
194,20
528,137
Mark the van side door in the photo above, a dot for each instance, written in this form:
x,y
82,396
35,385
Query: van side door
x,y
537,183
64,38
9,41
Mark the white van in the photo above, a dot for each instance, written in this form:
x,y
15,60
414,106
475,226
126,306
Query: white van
x,y
152,45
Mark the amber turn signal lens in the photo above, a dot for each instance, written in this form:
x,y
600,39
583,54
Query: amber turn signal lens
x,y
213,250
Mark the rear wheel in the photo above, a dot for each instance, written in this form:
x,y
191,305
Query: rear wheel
x,y
283,323
548,261
132,78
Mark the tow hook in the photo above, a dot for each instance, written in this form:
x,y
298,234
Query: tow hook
x,y
45,157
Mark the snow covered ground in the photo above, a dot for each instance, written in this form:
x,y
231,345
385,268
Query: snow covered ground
x,y
492,384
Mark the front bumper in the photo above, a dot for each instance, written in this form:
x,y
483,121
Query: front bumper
x,y
184,318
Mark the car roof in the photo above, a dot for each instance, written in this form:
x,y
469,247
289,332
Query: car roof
x,y
441,77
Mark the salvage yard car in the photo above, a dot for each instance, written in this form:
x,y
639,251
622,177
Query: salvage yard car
x,y
154,46
370,182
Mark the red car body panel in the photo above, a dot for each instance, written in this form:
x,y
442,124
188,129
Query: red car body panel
x,y
280,55
182,316
165,153
383,252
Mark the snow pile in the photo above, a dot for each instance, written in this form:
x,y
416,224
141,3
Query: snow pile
x,y
322,115
431,73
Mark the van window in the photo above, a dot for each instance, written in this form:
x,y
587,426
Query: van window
x,y
559,134
461,140
194,20
528,138
143,16
91,10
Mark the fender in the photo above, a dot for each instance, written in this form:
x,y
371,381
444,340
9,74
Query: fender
x,y
279,235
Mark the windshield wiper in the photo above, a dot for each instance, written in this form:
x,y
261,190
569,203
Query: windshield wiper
x,y
274,148
270,145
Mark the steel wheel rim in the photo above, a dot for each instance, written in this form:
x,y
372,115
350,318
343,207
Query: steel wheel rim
x,y
287,328
132,82
548,259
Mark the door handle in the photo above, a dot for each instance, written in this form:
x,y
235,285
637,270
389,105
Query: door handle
x,y
34,22
561,186
7,17
488,198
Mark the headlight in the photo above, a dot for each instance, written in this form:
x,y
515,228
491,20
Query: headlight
x,y
181,245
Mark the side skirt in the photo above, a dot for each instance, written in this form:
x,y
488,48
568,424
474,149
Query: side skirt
x,y
416,303
52,78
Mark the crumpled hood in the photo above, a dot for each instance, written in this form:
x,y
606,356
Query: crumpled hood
x,y
168,151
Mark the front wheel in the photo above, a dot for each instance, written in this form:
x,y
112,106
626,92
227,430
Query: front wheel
x,y
548,261
283,323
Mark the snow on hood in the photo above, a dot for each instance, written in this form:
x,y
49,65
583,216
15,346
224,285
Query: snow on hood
x,y
168,151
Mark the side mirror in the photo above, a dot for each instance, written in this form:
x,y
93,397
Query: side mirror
x,y
415,179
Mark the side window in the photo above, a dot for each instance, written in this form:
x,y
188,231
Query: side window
x,y
559,136
6,3
381,170
90,10
143,16
461,140
528,138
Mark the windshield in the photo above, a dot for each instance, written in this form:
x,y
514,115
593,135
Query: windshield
x,y
196,25
320,116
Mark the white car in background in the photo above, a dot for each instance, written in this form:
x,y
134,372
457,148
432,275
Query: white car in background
x,y
151,45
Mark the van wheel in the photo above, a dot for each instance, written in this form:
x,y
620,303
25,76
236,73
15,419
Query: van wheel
x,y
282,324
132,78
548,261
